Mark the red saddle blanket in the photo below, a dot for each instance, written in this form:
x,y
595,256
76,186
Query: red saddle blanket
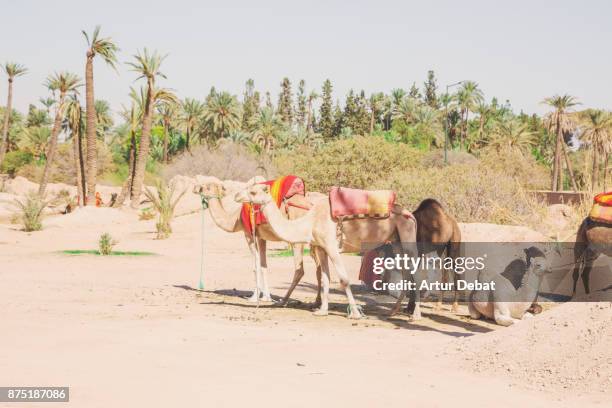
x,y
602,208
280,189
353,203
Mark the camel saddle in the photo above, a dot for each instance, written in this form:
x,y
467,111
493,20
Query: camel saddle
x,y
602,208
281,190
350,203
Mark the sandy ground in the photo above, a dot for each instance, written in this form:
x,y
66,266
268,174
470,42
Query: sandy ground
x,y
133,331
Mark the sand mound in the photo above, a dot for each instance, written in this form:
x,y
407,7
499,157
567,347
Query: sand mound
x,y
568,347
92,216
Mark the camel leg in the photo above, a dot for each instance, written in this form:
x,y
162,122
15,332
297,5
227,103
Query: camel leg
x,y
298,270
501,314
256,269
398,304
323,310
474,313
575,276
353,312
263,263
455,306
586,272
315,256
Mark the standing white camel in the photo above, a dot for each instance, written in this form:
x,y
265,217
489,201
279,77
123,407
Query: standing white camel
x,y
319,228
295,207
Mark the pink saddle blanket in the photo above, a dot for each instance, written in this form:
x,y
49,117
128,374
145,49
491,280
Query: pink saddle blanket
x,y
350,202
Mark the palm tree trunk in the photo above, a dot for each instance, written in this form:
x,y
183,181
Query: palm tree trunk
x,y
7,117
556,160
595,176
126,189
480,127
77,164
187,137
605,182
166,129
372,122
52,146
90,108
143,151
308,116
569,167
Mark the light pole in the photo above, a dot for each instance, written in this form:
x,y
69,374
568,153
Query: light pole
x,y
446,120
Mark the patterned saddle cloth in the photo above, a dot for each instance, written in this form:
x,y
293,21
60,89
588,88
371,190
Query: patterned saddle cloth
x,y
602,208
352,203
280,189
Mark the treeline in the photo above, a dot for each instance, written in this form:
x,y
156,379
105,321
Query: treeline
x,y
158,125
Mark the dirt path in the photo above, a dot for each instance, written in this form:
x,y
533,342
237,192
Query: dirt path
x,y
132,331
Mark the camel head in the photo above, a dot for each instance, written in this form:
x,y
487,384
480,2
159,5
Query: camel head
x,y
537,260
256,194
210,189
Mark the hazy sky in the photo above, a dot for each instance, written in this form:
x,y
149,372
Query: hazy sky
x,y
517,50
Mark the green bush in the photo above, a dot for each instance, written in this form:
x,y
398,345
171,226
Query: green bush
x,y
15,160
359,162
30,212
106,244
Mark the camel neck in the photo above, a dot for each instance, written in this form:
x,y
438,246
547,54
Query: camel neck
x,y
220,217
530,286
292,231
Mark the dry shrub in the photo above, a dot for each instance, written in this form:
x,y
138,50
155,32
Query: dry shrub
x,y
227,161
490,189
470,192
30,212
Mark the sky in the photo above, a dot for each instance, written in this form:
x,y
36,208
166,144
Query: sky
x,y
521,51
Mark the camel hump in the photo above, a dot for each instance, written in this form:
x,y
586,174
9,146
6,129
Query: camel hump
x,y
430,204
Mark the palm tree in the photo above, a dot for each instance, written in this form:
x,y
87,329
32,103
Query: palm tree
x,y
560,120
47,103
268,125
597,132
427,121
13,71
74,124
104,118
107,49
222,114
376,103
467,98
133,118
63,83
405,109
193,111
35,140
148,66
484,112
512,135
167,112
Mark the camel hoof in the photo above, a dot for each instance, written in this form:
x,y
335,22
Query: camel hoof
x,y
267,299
455,309
320,312
416,316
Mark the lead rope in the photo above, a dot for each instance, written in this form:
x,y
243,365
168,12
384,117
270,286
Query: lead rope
x,y
204,207
253,216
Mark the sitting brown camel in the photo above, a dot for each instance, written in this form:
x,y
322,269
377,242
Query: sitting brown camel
x,y
592,240
293,208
